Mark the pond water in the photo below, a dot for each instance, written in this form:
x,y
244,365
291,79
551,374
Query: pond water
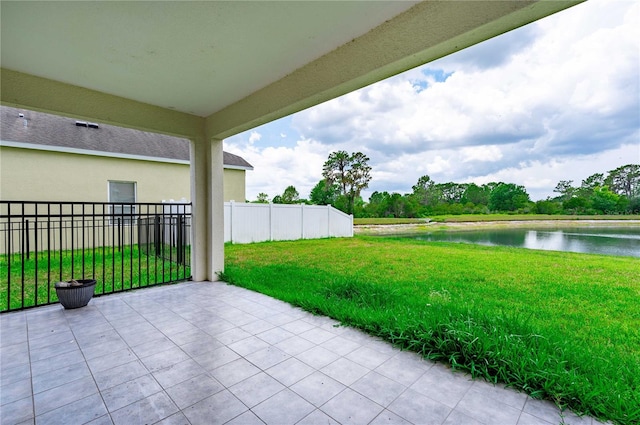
x,y
616,240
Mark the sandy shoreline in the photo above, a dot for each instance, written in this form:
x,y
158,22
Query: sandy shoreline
x,y
374,229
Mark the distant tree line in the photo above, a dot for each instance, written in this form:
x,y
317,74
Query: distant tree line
x,y
346,175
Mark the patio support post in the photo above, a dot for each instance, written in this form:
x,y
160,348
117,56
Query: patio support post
x,y
207,226
216,218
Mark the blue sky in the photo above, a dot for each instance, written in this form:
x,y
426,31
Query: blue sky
x,y
558,99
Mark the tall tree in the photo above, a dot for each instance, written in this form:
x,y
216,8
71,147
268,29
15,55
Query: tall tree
x,y
378,204
422,186
427,192
476,195
604,201
508,197
625,180
565,189
590,183
324,194
351,173
335,170
452,192
396,205
290,195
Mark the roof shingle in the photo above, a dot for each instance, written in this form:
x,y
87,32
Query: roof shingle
x,y
55,131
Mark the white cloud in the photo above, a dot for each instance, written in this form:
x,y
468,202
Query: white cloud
x,y
541,104
275,168
488,153
254,137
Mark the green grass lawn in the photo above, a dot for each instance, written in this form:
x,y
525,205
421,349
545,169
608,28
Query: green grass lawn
x,y
526,217
560,326
471,218
32,280
378,221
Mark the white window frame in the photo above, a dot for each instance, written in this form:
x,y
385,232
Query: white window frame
x,y
112,208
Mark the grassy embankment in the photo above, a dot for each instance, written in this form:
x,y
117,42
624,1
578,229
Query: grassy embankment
x,y
113,270
475,218
560,326
527,217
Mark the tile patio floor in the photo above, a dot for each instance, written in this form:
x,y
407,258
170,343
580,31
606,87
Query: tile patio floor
x,y
210,353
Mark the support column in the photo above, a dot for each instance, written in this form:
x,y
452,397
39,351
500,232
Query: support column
x,y
207,226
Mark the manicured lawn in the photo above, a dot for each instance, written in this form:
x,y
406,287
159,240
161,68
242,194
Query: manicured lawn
x,y
32,279
480,218
526,217
377,221
560,326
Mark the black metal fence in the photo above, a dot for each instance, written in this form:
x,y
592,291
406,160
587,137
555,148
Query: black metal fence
x,y
122,245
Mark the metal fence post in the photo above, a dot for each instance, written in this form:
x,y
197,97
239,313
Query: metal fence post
x,y
179,239
156,235
55,231
25,236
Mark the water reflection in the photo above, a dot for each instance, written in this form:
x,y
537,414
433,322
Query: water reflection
x,y
610,240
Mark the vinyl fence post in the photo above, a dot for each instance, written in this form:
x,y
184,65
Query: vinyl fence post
x,y
351,226
270,221
302,233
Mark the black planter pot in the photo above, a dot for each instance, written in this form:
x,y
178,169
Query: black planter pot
x,y
76,296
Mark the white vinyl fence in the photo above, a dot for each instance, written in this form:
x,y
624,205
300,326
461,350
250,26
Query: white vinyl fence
x,y
246,223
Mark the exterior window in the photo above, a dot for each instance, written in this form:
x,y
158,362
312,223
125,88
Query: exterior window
x,y
122,192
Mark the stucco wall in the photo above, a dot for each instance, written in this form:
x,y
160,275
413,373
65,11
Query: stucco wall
x,y
34,175
234,185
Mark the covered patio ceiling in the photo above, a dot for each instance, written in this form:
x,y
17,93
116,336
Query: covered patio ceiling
x,y
237,64
208,70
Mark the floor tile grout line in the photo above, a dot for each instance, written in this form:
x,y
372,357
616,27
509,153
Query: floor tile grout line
x,y
33,398
162,389
265,372
259,368
91,372
465,393
33,394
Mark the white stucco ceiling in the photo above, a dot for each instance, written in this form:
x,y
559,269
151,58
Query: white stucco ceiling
x,y
194,57
177,67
